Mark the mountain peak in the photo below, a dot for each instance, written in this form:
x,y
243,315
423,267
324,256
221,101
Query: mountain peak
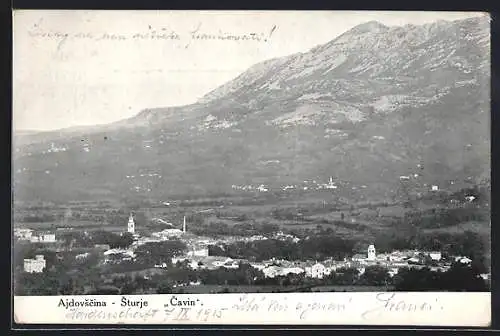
x,y
369,27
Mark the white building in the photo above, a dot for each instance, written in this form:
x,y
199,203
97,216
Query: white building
x,y
283,236
470,198
485,276
358,257
144,240
434,188
131,225
115,255
372,255
119,251
222,262
393,271
36,265
43,238
198,252
330,184
168,233
463,260
292,270
262,188
256,238
177,259
23,234
317,270
435,255
271,271
203,262
259,266
82,256
397,256
48,238
162,265
118,256
233,264
171,233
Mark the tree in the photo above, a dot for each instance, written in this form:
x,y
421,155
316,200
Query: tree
x,y
128,288
71,285
109,238
344,276
123,241
105,290
458,278
183,264
159,252
462,278
269,228
375,276
215,250
164,288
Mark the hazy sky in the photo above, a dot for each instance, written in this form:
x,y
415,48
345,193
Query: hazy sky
x,y
71,67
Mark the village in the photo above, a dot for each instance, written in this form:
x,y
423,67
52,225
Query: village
x,y
197,256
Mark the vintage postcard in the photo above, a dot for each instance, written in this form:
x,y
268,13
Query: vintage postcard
x,y
246,167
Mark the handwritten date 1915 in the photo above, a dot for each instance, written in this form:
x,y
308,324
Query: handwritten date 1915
x,y
193,314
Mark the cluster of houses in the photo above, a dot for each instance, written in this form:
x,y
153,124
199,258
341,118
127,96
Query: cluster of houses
x,y
265,188
314,269
315,185
197,256
277,235
34,237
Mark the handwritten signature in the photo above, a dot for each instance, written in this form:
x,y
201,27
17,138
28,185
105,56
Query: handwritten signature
x,y
393,303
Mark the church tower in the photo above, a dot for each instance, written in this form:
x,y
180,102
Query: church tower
x,y
131,225
371,252
184,225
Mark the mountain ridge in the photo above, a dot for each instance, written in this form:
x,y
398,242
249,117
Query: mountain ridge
x,y
376,99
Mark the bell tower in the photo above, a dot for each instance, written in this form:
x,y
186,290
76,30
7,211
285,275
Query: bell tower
x,y
372,255
131,225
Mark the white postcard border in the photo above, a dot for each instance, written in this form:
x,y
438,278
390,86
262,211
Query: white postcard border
x,y
444,309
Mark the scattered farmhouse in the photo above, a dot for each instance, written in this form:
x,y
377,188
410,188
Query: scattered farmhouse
x,y
36,265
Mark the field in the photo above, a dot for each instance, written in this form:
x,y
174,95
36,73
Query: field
x,y
269,289
289,212
73,224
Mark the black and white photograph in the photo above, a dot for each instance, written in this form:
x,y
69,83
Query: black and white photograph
x,y
216,152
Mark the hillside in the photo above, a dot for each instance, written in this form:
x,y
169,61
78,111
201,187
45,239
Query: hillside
x,y
374,104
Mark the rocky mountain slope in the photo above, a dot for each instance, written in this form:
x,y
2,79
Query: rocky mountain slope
x,y
374,104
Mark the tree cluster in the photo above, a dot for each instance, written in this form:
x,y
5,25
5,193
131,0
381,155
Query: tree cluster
x,y
318,247
112,239
154,253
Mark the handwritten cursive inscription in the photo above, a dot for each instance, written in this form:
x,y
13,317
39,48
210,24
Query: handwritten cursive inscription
x,y
247,304
305,310
153,34
101,314
189,314
393,303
